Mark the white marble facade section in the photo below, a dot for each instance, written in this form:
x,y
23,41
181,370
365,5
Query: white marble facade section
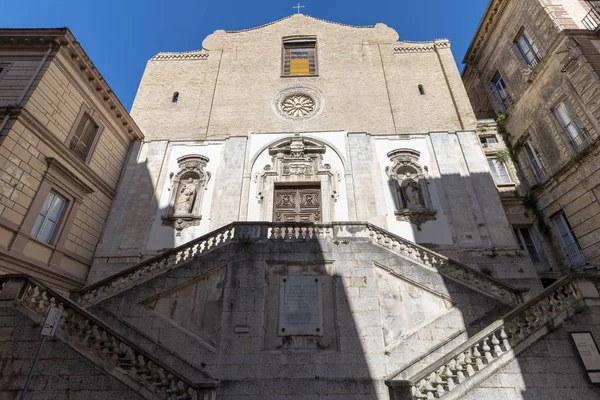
x,y
432,232
163,236
335,207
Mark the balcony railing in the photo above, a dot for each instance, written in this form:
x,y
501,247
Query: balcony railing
x,y
581,141
539,173
592,20
575,255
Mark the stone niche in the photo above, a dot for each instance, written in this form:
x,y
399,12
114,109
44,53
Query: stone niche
x,y
409,187
297,161
300,312
187,192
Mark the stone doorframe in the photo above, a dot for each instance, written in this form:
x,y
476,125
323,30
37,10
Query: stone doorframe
x,y
297,161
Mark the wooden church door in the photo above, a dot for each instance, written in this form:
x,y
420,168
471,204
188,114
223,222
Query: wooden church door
x,y
297,204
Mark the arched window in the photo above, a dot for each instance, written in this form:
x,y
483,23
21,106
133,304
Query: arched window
x,y
421,90
175,97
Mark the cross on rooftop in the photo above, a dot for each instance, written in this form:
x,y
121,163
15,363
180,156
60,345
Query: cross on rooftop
x,y
298,7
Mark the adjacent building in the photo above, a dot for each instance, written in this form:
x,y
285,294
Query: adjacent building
x,y
64,138
535,64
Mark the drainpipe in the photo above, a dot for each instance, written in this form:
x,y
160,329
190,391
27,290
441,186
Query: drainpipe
x,y
29,84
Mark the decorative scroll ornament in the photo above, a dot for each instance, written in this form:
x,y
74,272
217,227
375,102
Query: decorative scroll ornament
x,y
409,187
187,189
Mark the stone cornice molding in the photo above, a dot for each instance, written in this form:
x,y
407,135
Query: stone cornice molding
x,y
57,170
186,55
301,15
421,47
488,23
17,39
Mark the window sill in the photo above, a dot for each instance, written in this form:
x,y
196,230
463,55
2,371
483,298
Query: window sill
x,y
501,185
38,241
300,76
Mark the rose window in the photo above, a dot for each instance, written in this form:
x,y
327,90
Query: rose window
x,y
298,105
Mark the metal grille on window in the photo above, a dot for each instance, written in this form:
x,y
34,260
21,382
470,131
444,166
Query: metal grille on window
x,y
299,58
49,217
570,243
84,136
577,136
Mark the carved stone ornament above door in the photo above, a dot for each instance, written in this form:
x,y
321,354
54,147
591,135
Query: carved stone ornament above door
x,y
409,187
187,192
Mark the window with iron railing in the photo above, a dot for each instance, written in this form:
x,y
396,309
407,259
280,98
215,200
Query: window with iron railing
x,y
83,138
501,92
568,239
578,137
535,162
527,49
529,242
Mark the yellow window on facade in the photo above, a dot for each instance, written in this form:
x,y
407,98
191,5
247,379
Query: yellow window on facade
x,y
299,58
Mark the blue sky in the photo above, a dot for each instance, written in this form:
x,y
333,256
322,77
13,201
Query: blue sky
x,y
121,35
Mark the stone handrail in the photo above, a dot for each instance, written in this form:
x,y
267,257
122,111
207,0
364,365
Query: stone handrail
x,y
488,346
155,265
90,336
261,231
444,265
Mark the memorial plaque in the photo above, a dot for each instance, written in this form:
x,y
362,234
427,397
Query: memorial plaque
x,y
588,354
300,307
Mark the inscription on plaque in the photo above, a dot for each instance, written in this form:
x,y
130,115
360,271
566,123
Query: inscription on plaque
x,y
300,307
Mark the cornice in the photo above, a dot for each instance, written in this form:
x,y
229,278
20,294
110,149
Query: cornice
x,y
421,47
491,16
300,15
19,39
185,55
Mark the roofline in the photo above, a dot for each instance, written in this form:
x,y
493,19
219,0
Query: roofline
x,y
307,16
485,16
63,37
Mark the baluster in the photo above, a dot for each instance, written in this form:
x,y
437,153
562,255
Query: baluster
x,y
460,367
440,382
505,341
496,344
478,358
469,363
487,350
419,390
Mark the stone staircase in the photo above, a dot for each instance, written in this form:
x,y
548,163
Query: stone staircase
x,y
249,232
475,360
147,368
117,355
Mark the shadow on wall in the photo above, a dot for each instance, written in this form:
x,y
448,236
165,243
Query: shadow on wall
x,y
298,311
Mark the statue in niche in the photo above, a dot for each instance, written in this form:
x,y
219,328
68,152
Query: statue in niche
x,y
412,193
187,189
186,197
409,188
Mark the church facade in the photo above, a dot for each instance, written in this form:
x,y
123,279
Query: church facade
x,y
311,215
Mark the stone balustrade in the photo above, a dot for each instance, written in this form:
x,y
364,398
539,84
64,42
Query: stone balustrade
x,y
86,334
444,265
246,232
486,348
155,266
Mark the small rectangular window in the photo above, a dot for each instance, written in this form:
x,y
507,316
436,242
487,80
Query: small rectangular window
x,y
488,139
84,137
499,171
571,246
577,136
499,87
527,49
49,218
299,57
